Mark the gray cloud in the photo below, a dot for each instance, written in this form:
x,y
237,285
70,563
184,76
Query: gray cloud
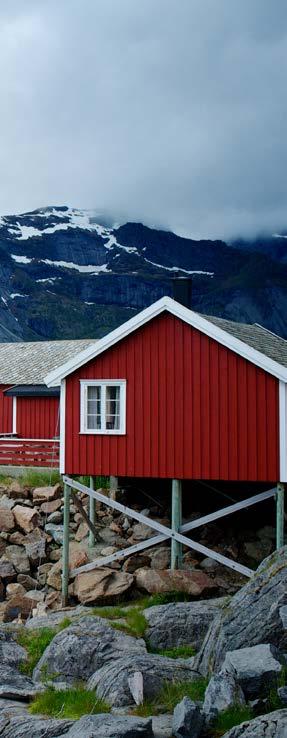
x,y
168,111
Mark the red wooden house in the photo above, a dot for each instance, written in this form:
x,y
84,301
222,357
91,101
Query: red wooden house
x,y
29,410
176,395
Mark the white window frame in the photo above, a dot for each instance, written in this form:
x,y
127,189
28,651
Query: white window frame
x,y
103,383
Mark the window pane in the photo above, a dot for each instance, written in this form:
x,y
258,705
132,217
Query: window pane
x,y
94,407
113,407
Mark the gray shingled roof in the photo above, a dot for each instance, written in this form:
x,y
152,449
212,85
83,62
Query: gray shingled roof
x,y
29,363
255,336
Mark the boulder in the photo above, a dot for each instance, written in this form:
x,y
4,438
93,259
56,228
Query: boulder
x,y
77,557
85,646
187,719
82,532
160,558
50,507
56,532
222,692
135,562
141,532
7,571
27,581
273,725
14,685
111,726
19,559
181,623
35,546
195,583
7,520
14,588
27,518
101,585
46,494
21,726
18,605
256,669
112,681
11,653
282,694
251,617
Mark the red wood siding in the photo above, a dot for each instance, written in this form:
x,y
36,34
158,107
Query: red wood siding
x,y
37,417
195,410
5,410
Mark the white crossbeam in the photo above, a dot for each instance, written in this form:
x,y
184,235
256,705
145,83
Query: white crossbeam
x,y
228,510
166,532
121,554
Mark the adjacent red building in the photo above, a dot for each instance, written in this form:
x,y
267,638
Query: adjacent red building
x,y
174,394
29,410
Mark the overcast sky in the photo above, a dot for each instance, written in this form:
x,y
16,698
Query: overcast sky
x,y
169,111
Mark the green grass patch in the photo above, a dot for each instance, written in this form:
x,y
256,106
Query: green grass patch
x,y
35,642
6,481
33,478
170,694
70,704
230,718
110,612
135,623
178,652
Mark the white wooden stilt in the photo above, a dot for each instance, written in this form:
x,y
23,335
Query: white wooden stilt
x,y
65,571
92,514
114,485
280,515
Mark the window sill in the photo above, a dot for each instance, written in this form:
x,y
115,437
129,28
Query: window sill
x,y
102,433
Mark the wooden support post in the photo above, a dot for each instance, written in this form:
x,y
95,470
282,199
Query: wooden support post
x,y
65,571
92,514
280,515
114,485
176,521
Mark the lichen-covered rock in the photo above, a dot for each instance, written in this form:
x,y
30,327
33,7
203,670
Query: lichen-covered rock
x,y
251,617
112,680
222,692
111,726
85,646
14,685
256,669
273,725
187,719
181,623
27,725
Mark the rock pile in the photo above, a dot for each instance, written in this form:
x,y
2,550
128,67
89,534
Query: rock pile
x,y
31,533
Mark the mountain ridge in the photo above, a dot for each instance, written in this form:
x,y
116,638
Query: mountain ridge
x,y
63,274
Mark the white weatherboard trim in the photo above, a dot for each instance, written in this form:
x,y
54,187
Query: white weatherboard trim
x,y
283,431
62,425
103,383
188,316
14,415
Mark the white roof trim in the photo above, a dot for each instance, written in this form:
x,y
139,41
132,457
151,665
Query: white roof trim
x,y
188,316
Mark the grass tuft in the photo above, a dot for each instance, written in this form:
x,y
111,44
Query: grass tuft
x,y
70,704
35,643
33,478
135,623
230,718
170,694
178,652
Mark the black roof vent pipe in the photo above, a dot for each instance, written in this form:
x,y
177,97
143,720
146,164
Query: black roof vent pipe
x,y
182,290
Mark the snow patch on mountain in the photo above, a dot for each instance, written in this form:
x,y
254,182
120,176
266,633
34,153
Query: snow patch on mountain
x,y
21,259
179,269
84,268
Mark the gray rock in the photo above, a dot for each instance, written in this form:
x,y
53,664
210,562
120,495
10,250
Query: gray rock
x,y
14,685
56,617
187,719
273,725
181,623
251,617
256,669
162,726
283,616
56,531
222,692
82,648
27,725
10,652
111,726
112,680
